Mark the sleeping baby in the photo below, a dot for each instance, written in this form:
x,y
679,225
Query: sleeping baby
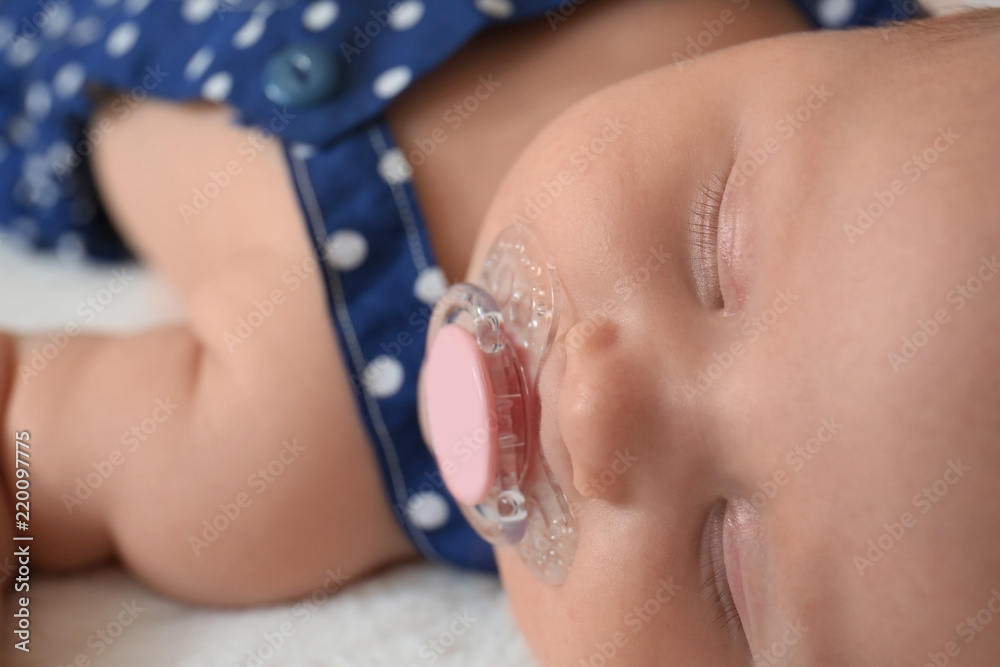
x,y
694,339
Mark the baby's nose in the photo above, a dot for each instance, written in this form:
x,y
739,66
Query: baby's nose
x,y
606,409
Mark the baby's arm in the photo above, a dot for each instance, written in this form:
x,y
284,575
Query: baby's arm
x,y
184,417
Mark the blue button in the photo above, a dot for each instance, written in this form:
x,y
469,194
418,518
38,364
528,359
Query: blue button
x,y
302,75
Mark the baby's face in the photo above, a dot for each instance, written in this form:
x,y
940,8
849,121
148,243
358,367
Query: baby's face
x,y
773,400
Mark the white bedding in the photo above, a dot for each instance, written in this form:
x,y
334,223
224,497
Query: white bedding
x,y
411,617
414,616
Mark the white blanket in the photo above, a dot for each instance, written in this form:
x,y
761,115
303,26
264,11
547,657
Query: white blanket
x,y
411,617
415,616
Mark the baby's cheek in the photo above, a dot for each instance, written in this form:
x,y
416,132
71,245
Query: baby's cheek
x,y
558,622
528,602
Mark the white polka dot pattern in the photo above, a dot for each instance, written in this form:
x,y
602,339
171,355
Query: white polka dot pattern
x,y
383,376
68,80
250,33
197,11
431,284
391,82
406,14
86,31
320,15
834,13
302,151
134,7
38,100
427,510
498,9
122,39
217,87
346,250
22,52
393,167
58,23
199,62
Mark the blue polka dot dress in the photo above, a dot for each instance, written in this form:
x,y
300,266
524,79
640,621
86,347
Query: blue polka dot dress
x,y
318,75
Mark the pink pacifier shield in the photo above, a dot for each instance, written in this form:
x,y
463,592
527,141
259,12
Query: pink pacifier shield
x,y
459,403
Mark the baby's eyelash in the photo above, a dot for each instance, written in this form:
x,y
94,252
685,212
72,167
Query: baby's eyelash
x,y
722,603
705,219
716,583
703,235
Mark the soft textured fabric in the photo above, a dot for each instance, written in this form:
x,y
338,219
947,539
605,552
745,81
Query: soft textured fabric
x,y
316,75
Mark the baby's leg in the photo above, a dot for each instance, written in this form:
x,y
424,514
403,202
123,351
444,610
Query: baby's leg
x,y
179,429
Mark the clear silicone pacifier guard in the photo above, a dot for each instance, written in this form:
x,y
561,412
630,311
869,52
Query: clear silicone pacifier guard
x,y
479,407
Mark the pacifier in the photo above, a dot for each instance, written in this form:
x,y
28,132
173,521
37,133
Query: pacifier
x,y
479,407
